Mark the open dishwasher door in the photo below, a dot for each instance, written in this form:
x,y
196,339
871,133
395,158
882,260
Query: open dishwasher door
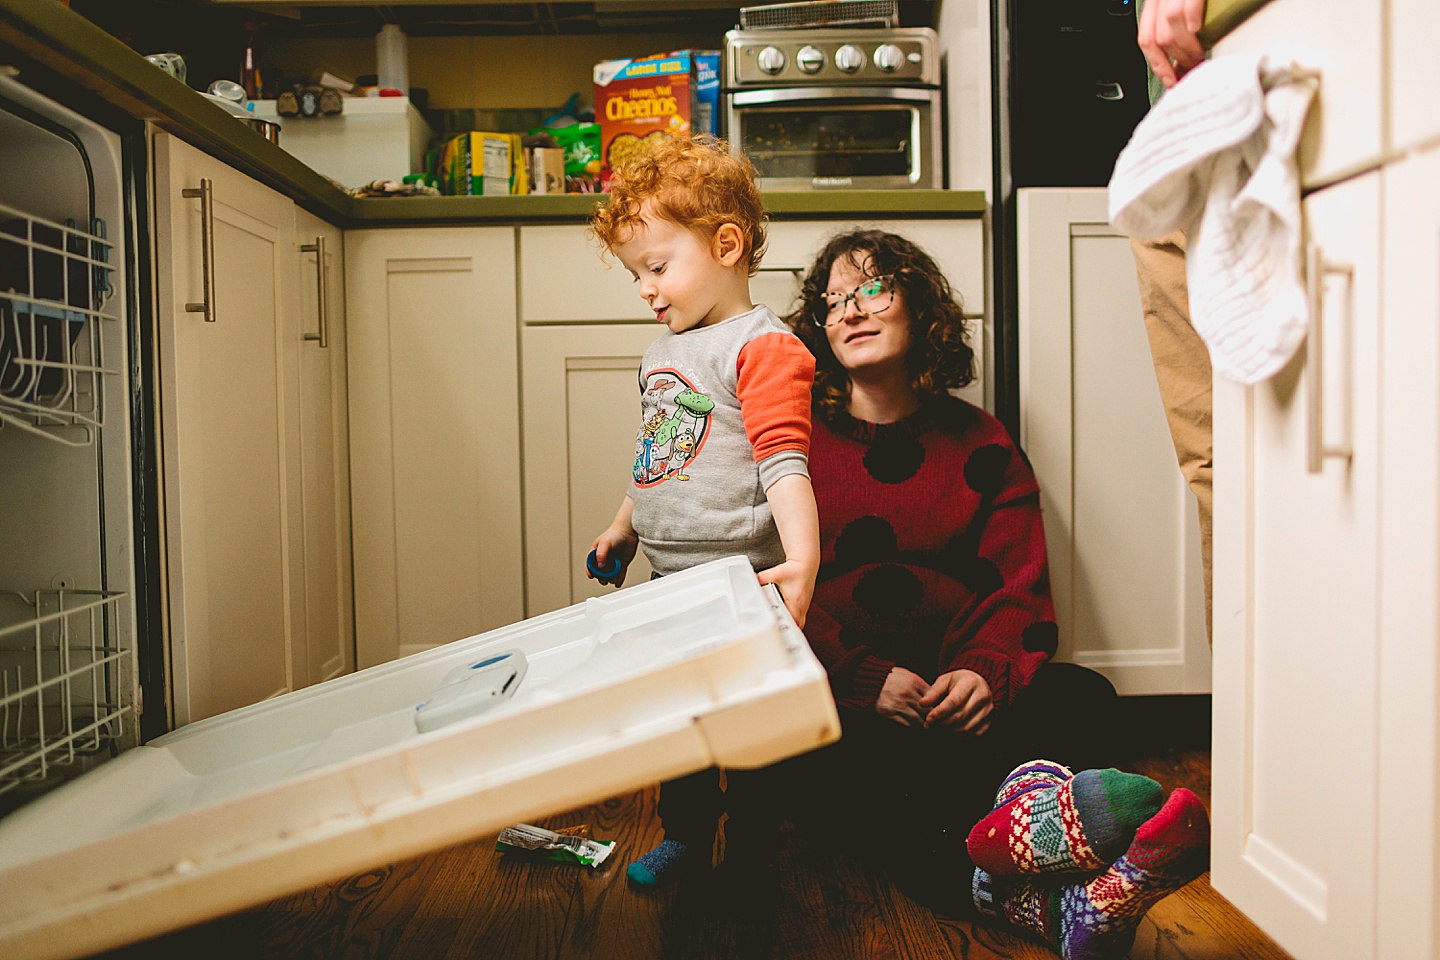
x,y
701,668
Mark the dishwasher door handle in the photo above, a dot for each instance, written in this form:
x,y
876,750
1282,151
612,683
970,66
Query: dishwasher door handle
x,y
206,193
318,248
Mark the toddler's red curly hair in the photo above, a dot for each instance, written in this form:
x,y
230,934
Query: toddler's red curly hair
x,y
692,181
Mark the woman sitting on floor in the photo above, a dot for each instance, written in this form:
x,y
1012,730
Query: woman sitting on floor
x,y
932,615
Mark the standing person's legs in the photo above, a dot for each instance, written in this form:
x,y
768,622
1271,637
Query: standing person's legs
x,y
1182,369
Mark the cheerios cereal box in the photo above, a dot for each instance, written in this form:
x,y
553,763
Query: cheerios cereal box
x,y
667,94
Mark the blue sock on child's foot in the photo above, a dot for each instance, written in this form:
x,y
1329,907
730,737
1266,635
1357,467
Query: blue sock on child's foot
x,y
653,867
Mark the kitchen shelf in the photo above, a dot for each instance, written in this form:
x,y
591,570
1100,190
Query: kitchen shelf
x,y
64,688
55,292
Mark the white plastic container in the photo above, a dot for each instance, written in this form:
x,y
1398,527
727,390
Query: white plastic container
x,y
392,60
375,138
701,668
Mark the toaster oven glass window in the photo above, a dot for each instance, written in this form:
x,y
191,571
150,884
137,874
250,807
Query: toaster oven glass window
x,y
842,142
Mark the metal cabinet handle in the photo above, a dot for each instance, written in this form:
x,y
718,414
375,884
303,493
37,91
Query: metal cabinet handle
x,y
206,194
318,248
1316,449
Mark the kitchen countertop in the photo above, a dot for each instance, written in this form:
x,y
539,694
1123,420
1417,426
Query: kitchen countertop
x,y
68,44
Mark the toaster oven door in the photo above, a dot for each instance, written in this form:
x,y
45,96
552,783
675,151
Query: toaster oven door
x,y
819,138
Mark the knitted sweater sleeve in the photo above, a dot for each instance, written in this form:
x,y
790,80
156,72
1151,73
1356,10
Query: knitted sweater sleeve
x,y
856,675
1008,630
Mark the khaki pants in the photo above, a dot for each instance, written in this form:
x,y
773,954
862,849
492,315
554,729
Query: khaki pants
x,y
1182,369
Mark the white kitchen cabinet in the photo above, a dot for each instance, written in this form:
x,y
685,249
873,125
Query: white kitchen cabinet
x,y
1344,41
1297,615
230,435
1414,26
1120,522
1408,888
319,327
581,404
434,436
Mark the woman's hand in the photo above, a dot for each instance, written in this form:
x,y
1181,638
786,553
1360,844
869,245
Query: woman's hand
x,y
1167,37
959,701
900,697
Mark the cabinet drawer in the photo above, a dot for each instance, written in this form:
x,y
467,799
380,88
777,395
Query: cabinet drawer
x,y
958,246
1342,40
563,279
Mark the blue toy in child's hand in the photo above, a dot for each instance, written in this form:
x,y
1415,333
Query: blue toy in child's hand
x,y
611,573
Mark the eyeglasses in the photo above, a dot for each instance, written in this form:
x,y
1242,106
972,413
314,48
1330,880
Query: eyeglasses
x,y
873,296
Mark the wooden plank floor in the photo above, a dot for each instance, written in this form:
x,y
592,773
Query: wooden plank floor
x,y
468,902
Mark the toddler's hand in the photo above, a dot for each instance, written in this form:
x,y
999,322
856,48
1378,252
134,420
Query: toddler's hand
x,y
617,543
796,581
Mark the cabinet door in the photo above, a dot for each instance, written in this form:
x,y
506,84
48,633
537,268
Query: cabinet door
x,y
230,436
434,436
319,328
1120,523
1342,40
1296,636
582,408
1409,737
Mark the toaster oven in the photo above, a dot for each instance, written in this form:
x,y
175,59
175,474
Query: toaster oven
x,y
826,109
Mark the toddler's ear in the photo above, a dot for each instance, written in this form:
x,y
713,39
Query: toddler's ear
x,y
728,245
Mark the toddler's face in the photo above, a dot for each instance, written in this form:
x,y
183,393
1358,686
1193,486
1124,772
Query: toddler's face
x,y
677,274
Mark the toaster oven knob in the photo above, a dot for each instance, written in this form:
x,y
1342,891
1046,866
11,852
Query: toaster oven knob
x,y
849,58
889,57
771,60
810,59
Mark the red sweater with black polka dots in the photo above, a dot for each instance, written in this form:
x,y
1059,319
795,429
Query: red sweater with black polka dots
x,y
932,553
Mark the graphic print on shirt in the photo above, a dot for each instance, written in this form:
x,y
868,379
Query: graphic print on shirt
x,y
674,421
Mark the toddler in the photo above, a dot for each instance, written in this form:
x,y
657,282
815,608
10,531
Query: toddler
x,y
721,453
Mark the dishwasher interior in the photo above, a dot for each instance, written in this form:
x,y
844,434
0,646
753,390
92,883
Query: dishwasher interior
x,y
68,684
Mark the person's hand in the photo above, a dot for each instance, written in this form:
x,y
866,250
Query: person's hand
x,y
959,701
796,580
614,542
899,698
1168,37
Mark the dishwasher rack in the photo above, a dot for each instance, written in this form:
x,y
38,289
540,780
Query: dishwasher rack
x,y
55,292
64,693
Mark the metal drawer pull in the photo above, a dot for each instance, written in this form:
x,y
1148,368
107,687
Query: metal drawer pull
x,y
207,247
1316,449
318,248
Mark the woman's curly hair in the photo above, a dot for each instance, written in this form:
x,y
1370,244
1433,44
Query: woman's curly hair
x,y
940,357
692,181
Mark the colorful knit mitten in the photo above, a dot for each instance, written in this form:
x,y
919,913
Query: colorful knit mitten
x,y
1078,825
1096,918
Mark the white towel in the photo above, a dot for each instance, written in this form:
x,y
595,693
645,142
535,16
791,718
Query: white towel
x,y
1215,157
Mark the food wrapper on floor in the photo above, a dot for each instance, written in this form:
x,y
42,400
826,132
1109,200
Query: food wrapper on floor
x,y
665,95
537,843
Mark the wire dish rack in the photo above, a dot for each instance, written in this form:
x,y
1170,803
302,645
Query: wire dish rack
x,y
65,692
821,13
55,292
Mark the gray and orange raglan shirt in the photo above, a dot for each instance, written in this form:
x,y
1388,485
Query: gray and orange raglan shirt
x,y
725,412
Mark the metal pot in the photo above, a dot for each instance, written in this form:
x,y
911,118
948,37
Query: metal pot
x,y
268,129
